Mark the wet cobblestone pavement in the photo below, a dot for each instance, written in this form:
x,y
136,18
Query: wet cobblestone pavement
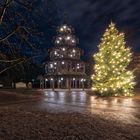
x,y
68,116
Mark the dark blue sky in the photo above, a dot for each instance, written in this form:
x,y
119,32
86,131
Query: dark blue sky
x,y
90,18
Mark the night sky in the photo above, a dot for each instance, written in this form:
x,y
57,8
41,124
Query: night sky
x,y
90,18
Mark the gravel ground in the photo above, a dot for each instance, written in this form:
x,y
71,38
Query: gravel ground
x,y
18,123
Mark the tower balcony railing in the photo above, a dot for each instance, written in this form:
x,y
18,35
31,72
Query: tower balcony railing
x,y
66,73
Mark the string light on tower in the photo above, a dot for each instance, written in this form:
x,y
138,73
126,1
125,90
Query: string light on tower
x,y
68,37
60,38
55,53
64,26
73,79
73,51
61,29
51,65
78,67
63,49
57,41
62,79
73,41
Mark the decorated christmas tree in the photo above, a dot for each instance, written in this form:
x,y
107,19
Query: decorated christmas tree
x,y
111,74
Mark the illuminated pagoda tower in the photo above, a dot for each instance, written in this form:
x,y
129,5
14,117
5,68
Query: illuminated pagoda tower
x,y
64,69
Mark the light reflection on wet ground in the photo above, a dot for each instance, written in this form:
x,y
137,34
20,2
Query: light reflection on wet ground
x,y
79,101
125,109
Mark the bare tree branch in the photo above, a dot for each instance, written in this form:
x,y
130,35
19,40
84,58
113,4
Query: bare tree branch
x,y
24,4
10,61
14,31
20,62
5,6
7,68
9,35
17,32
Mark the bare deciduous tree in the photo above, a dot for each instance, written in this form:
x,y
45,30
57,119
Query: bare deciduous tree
x,y
18,34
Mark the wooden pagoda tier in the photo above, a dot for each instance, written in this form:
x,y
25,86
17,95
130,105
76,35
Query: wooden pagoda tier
x,y
64,69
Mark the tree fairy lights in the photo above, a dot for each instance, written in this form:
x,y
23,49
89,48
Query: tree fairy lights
x,y
111,76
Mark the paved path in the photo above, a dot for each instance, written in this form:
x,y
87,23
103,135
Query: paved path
x,y
38,116
123,108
